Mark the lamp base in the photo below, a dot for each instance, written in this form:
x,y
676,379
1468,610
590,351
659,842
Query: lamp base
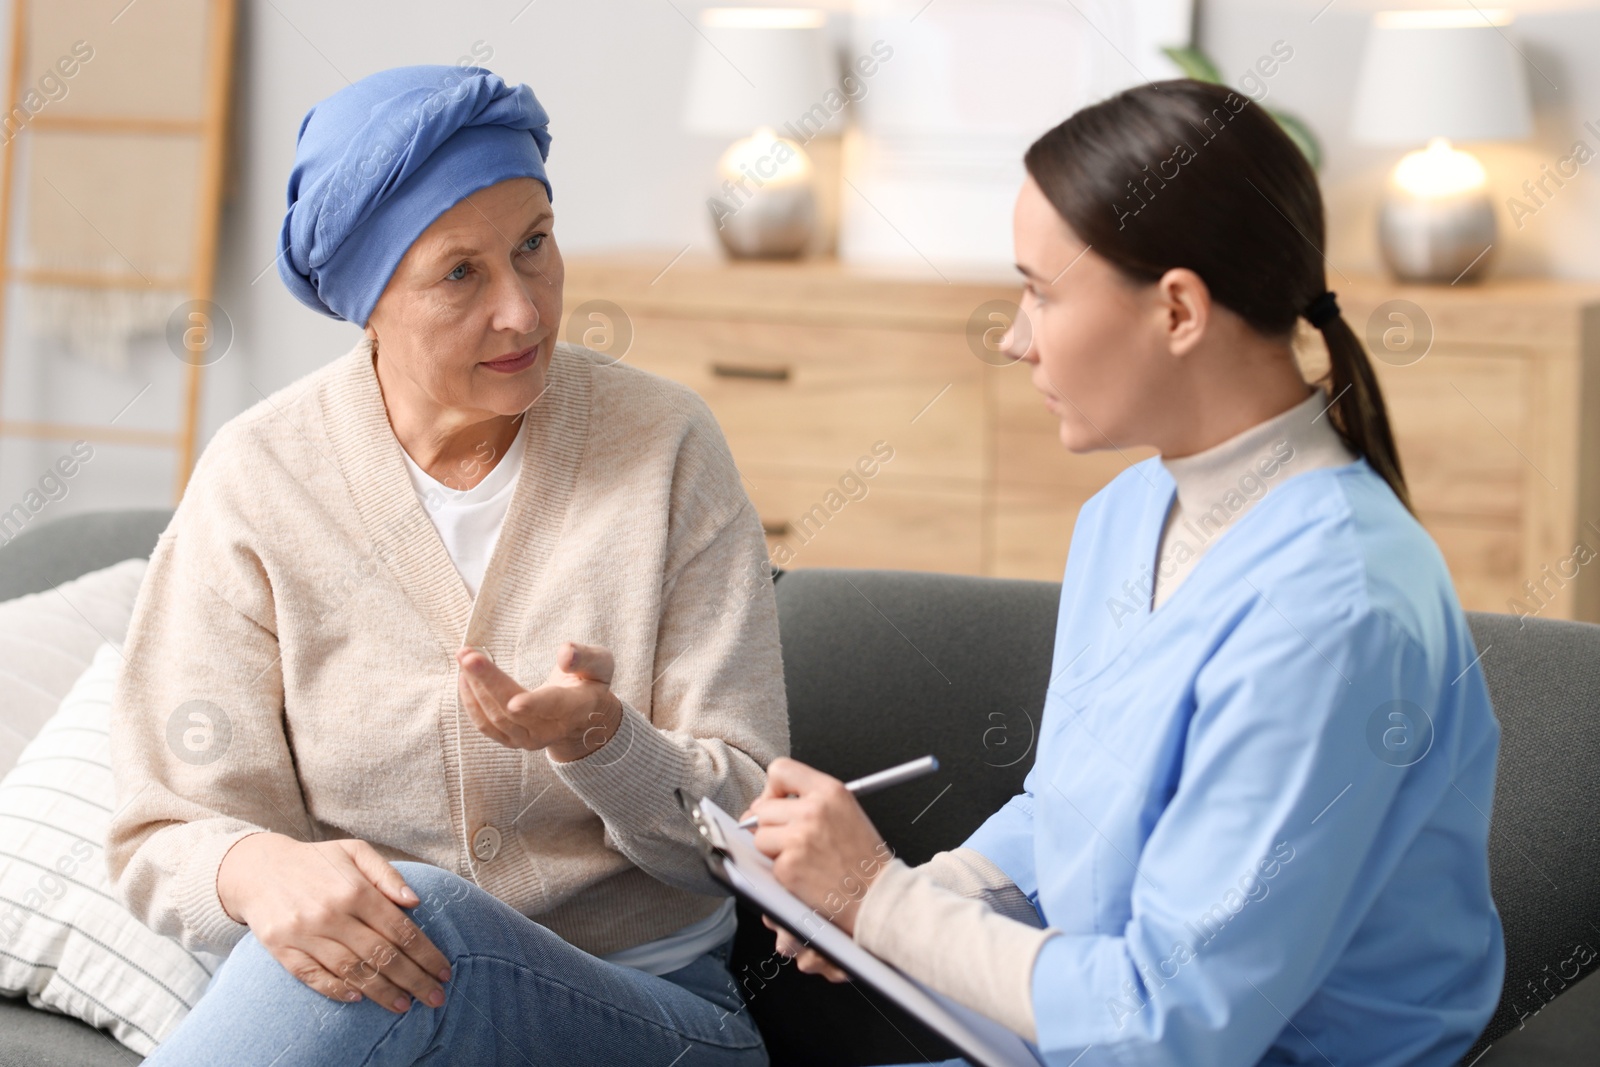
x,y
775,223
1443,241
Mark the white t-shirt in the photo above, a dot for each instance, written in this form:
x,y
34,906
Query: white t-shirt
x,y
469,522
681,947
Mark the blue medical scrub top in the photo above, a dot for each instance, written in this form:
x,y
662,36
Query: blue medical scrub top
x,y
1260,813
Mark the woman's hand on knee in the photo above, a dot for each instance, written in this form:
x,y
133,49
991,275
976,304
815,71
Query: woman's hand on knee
x,y
331,913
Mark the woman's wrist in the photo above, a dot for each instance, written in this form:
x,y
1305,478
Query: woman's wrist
x,y
599,726
234,874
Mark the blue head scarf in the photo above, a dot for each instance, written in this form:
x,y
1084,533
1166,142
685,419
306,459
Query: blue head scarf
x,y
378,161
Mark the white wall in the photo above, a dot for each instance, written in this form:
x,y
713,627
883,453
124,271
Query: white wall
x,y
612,73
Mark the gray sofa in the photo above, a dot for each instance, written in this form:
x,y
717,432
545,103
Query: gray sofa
x,y
883,666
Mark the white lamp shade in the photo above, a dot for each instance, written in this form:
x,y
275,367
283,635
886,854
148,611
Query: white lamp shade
x,y
757,67
1452,74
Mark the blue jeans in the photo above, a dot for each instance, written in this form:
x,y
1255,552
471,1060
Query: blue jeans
x,y
518,996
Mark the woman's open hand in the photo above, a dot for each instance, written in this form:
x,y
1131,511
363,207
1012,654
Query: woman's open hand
x,y
330,913
573,713
824,849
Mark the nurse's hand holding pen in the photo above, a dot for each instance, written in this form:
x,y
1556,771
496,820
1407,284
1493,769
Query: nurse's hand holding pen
x,y
824,850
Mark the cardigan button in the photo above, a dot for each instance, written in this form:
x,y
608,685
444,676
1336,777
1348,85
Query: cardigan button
x,y
486,843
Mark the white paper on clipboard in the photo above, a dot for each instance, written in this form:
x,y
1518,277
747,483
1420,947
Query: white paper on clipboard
x,y
979,1038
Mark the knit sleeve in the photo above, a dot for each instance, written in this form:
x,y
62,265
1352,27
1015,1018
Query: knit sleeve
x,y
970,873
199,756
717,713
980,958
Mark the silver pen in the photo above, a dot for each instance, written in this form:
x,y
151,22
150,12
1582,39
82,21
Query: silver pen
x,y
891,776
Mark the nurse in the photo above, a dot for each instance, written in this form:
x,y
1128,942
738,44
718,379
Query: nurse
x,y
1256,827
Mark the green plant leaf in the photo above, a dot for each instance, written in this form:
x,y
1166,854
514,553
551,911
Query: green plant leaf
x,y
1301,135
1194,64
1197,65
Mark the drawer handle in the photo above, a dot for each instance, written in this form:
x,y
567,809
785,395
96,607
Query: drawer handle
x,y
779,528
765,374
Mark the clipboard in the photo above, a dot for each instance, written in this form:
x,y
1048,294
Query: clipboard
x,y
731,856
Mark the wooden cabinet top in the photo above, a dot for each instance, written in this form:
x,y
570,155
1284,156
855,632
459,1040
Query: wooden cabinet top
x,y
1522,312
803,291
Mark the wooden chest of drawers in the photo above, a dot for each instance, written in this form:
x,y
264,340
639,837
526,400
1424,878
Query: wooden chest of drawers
x,y
871,434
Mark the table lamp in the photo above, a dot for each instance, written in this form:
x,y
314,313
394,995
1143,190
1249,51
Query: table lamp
x,y
1428,78
756,71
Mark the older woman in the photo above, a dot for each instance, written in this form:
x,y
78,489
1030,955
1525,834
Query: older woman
x,y
432,638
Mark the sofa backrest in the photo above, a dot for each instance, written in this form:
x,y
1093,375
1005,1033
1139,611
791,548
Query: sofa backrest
x,y
882,667
42,555
1544,841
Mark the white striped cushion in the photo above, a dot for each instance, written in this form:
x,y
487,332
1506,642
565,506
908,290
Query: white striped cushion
x,y
65,940
47,640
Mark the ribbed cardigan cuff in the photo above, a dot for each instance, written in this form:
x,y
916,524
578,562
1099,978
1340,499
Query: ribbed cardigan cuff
x,y
206,924
628,781
954,944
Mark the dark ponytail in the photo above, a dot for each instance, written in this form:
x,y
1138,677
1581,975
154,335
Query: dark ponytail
x,y
1187,174
1359,413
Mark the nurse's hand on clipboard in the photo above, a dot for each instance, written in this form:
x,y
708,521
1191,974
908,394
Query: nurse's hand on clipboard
x,y
809,960
823,848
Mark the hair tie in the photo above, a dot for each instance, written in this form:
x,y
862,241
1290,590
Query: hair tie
x,y
1321,311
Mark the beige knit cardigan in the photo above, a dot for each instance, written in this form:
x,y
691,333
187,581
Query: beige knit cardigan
x,y
289,664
